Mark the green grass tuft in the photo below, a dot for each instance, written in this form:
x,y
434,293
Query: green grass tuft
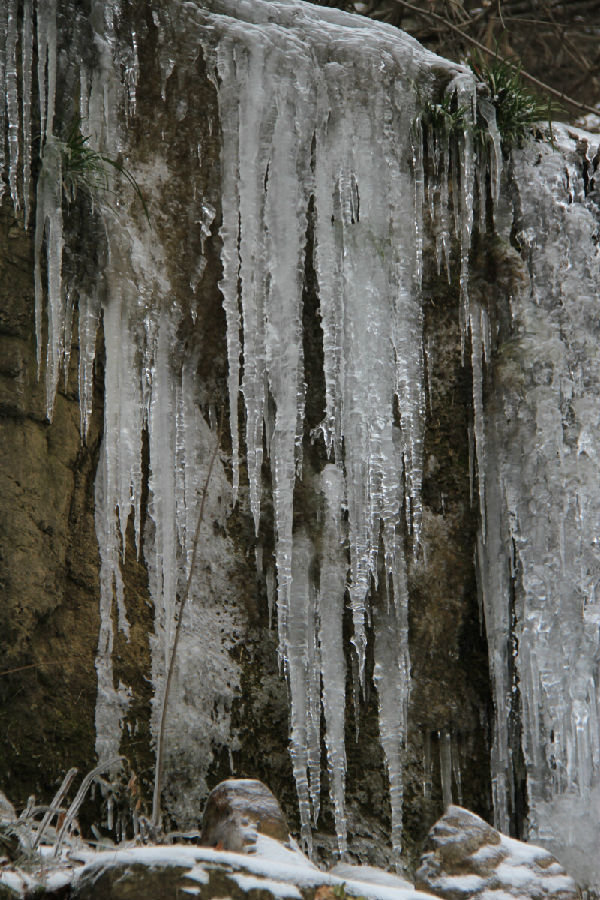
x,y
517,109
85,169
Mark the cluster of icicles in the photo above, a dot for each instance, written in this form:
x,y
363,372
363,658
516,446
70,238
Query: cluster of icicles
x,y
312,105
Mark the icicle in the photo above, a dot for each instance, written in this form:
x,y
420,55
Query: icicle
x,y
446,766
477,349
3,36
486,109
298,631
285,223
391,677
254,231
132,71
419,177
465,97
12,103
229,112
46,48
333,665
313,677
26,84
162,438
89,317
112,702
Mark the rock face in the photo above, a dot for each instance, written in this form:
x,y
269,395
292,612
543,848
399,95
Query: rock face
x,y
467,858
237,810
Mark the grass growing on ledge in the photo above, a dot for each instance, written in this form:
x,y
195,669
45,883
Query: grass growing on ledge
x,y
446,115
517,109
85,169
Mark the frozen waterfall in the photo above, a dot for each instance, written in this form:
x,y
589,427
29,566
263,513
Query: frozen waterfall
x,y
321,126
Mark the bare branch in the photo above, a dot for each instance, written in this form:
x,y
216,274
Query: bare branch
x,y
160,747
429,14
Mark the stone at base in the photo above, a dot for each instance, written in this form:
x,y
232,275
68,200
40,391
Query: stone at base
x,y
467,859
236,810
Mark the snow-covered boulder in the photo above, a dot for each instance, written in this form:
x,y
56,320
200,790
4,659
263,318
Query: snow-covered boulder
x,y
238,809
271,871
467,858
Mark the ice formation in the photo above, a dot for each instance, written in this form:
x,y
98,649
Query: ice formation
x,y
299,132
544,514
297,127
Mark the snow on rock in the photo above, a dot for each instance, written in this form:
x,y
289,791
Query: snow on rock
x,y
467,858
271,871
372,875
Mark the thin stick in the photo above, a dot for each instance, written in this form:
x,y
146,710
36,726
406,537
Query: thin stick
x,y
428,14
160,747
57,662
55,805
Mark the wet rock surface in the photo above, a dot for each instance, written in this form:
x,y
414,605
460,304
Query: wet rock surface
x,y
467,858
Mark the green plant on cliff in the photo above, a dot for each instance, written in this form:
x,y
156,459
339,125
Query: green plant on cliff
x,y
86,170
446,115
518,110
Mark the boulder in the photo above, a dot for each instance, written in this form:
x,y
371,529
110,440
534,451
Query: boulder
x,y
467,858
236,810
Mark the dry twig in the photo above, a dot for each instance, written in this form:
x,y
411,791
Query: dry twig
x,y
564,98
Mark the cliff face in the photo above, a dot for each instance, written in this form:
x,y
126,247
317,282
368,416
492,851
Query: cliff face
x,y
49,550
282,298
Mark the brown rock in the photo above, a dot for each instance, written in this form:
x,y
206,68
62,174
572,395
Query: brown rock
x,y
236,810
466,858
